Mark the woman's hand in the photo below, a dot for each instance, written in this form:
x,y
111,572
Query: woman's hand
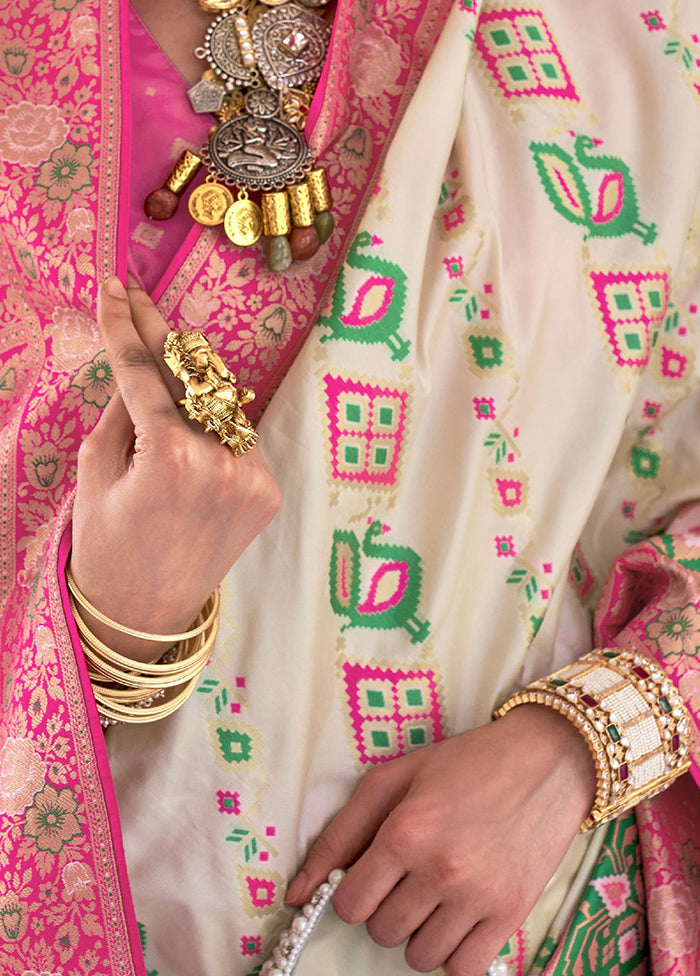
x,y
163,508
452,846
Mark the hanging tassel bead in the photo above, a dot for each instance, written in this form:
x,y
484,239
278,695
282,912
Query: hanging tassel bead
x,y
304,239
161,204
320,193
324,224
279,253
277,223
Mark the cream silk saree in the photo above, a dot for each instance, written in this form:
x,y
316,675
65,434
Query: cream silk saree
x,y
495,404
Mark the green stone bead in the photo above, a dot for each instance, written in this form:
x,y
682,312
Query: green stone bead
x,y
324,224
279,253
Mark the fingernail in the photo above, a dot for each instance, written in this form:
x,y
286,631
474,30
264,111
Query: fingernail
x,y
115,288
296,888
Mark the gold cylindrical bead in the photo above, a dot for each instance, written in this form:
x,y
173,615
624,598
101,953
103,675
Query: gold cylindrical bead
x,y
300,202
183,172
317,181
275,212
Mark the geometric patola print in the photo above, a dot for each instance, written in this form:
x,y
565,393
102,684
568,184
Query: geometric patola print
x,y
632,305
392,711
520,52
367,425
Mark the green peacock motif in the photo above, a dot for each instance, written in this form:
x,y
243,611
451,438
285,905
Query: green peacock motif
x,y
616,210
377,308
392,597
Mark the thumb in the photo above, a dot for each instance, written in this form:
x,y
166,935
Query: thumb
x,y
107,448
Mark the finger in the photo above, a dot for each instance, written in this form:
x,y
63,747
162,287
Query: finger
x,y
402,912
477,951
346,836
440,937
152,328
135,370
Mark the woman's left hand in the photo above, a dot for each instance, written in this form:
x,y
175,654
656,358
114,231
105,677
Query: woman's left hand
x,y
452,846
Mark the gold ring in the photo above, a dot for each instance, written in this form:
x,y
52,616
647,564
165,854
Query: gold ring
x,y
211,396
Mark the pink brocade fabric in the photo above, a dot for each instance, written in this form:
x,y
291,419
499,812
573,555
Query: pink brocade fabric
x,y
164,125
65,154
651,603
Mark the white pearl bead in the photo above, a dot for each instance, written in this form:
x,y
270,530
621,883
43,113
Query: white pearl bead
x,y
308,910
298,925
335,877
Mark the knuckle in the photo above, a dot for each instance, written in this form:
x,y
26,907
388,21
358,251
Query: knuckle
x,y
400,835
133,355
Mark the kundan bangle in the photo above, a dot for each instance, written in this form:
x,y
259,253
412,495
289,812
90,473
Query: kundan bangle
x,y
129,691
634,722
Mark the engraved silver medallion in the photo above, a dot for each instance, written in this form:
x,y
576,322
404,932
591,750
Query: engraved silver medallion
x,y
258,153
223,52
290,46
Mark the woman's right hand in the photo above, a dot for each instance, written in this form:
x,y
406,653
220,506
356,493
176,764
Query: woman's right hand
x,y
163,509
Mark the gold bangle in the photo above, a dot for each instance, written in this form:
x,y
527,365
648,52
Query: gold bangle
x,y
128,691
129,631
635,724
158,674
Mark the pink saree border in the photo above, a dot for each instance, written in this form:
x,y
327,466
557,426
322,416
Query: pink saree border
x,y
96,776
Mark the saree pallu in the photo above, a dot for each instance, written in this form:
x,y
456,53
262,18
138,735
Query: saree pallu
x,y
498,400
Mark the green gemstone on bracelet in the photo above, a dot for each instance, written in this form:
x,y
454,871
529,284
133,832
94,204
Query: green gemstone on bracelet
x,y
664,704
611,654
557,682
613,732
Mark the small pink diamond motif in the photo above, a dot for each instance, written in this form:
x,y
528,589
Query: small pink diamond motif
x,y
270,831
240,682
488,289
546,567
485,314
264,856
545,594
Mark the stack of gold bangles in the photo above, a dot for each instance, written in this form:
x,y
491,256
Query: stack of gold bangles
x,y
129,691
635,724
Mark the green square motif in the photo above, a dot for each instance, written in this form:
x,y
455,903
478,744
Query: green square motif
x,y
386,416
380,455
534,33
351,454
353,413
550,70
623,302
500,37
416,737
414,696
633,341
380,739
375,699
654,299
517,72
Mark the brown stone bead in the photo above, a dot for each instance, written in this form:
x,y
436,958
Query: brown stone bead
x,y
304,242
161,204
